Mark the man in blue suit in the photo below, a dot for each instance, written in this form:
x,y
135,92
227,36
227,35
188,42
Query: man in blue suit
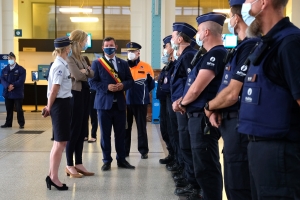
x,y
112,77
13,78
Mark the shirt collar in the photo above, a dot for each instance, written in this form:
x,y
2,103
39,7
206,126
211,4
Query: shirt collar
x,y
62,60
13,66
276,28
114,58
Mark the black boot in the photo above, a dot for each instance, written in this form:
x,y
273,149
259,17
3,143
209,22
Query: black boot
x,y
186,191
176,173
181,183
166,160
174,167
178,177
195,195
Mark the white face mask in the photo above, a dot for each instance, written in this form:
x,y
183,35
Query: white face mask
x,y
231,28
248,19
173,45
175,54
131,56
198,41
165,52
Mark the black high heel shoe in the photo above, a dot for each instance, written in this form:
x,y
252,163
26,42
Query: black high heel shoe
x,y
49,183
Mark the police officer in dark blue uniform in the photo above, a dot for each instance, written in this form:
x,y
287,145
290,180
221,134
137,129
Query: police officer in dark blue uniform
x,y
269,112
13,78
202,85
163,89
236,170
181,39
112,77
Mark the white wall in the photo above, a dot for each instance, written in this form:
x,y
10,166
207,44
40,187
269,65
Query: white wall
x,y
31,60
9,11
167,19
292,10
140,29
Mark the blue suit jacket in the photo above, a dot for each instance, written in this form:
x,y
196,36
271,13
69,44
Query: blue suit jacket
x,y
101,80
16,77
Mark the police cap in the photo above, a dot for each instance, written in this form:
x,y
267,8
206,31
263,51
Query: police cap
x,y
62,42
133,46
185,28
212,16
12,55
167,39
236,2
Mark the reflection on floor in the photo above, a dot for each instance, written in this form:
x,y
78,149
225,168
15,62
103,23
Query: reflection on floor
x,y
24,161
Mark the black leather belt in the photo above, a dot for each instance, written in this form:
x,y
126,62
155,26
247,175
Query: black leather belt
x,y
229,115
194,114
253,138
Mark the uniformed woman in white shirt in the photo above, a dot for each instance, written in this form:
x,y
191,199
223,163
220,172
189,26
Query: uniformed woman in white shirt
x,y
58,107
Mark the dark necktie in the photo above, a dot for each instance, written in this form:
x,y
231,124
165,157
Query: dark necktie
x,y
111,61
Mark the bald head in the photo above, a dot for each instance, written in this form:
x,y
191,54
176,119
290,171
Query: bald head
x,y
215,28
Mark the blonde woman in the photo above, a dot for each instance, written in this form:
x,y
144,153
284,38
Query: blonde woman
x,y
80,72
58,106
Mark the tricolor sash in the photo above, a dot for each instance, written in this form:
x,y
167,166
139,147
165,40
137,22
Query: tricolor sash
x,y
108,66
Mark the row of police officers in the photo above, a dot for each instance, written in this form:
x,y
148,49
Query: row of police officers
x,y
249,95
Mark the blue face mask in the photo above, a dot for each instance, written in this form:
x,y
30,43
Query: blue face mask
x,y
85,47
231,28
11,62
70,53
198,41
248,19
165,57
109,50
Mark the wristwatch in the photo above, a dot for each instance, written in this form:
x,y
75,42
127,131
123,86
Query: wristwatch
x,y
180,103
206,107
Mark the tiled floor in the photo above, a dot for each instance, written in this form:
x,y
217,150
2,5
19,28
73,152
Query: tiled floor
x,y
24,164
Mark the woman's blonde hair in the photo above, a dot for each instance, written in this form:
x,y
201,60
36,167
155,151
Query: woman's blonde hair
x,y
59,51
77,37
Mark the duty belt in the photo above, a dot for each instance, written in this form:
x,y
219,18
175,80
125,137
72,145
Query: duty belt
x,y
253,138
194,114
229,115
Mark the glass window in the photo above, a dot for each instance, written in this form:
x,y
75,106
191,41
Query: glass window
x,y
59,17
187,11
43,20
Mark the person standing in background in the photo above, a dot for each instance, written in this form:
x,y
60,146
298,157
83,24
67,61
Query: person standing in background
x,y
80,72
92,111
138,98
13,78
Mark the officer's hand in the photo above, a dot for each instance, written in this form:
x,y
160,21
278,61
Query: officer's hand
x,y
208,113
112,87
45,112
10,87
182,109
120,86
215,119
175,105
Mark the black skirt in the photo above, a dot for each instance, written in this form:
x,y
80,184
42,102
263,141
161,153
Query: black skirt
x,y
61,118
